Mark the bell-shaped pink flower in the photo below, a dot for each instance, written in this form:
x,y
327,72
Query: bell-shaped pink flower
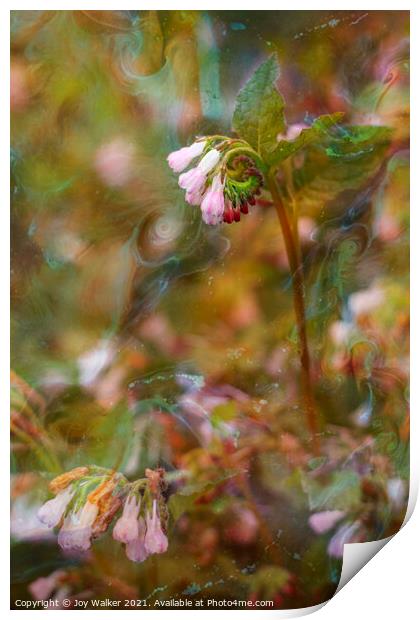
x,y
126,528
321,522
155,540
194,180
213,204
52,511
136,549
77,528
179,160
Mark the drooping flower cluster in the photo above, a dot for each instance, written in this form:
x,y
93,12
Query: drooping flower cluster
x,y
224,183
144,535
87,500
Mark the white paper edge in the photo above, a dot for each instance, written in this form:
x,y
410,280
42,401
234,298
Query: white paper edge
x,y
356,556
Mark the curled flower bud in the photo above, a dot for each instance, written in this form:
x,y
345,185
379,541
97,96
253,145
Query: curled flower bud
x,y
77,528
243,183
213,203
179,160
236,181
155,540
52,511
126,528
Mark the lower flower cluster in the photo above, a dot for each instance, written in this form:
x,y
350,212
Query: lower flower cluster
x,y
87,499
224,183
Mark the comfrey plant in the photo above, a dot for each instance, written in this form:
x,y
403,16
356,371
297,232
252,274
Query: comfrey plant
x,y
297,166
293,164
87,500
224,183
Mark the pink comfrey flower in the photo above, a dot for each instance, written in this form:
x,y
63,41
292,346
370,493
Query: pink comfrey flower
x,y
136,549
179,160
193,181
321,522
52,511
155,540
127,527
77,528
213,204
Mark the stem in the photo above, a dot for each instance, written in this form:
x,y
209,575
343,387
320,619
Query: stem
x,y
296,271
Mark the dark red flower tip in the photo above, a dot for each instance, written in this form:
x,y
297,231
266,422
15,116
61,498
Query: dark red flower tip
x,y
244,208
252,200
228,215
237,215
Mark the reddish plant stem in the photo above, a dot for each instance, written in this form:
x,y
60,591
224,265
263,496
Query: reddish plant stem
x,y
296,271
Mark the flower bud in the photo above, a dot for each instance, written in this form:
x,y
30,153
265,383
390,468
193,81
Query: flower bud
x,y
179,160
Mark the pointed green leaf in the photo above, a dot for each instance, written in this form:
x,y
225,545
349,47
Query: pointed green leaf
x,y
259,113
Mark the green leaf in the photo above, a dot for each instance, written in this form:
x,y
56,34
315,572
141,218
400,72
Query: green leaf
x,y
316,133
259,111
345,161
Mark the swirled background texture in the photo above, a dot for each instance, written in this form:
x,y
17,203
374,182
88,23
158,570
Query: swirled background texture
x,y
144,338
